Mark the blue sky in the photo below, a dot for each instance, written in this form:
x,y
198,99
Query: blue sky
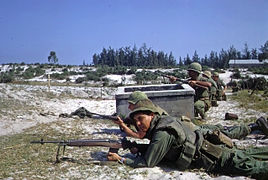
x,y
76,29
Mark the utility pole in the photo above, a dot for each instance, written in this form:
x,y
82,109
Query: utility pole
x,y
48,82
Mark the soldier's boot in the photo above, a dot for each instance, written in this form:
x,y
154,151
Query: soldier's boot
x,y
214,103
224,98
261,125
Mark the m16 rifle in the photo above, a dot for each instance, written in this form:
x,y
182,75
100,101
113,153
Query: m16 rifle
x,y
183,81
114,145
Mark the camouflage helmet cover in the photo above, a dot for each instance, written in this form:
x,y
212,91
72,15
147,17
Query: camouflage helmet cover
x,y
215,74
195,67
136,96
141,107
207,74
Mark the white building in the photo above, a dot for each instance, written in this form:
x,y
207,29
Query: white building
x,y
246,63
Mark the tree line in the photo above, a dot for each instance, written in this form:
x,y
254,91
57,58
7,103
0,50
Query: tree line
x,y
127,56
146,57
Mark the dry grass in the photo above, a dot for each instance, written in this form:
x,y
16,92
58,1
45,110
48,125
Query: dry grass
x,y
256,101
20,159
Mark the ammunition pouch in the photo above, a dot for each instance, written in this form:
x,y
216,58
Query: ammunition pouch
x,y
208,156
187,153
207,153
217,137
186,156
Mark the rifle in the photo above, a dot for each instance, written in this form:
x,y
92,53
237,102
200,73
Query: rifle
x,y
184,81
83,112
114,145
110,117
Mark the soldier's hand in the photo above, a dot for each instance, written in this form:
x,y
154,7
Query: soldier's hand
x,y
172,79
192,83
119,121
113,157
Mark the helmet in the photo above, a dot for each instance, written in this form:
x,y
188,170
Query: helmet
x,y
195,67
136,96
215,74
146,106
207,74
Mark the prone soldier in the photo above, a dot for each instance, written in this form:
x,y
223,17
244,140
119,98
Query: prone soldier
x,y
138,98
172,141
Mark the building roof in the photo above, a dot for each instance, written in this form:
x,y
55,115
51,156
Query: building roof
x,y
247,61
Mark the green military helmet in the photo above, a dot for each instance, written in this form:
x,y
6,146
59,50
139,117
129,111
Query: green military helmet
x,y
142,107
136,96
215,74
207,74
195,67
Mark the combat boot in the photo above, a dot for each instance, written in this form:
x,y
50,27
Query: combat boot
x,y
214,104
263,125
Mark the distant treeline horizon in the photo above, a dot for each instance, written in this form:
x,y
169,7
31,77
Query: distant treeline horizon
x,y
146,57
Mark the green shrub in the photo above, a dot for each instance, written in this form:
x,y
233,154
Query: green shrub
x,y
7,77
93,76
58,76
28,73
132,70
80,80
236,74
144,76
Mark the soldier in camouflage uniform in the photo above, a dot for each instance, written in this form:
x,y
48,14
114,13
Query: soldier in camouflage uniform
x,y
213,89
173,142
221,87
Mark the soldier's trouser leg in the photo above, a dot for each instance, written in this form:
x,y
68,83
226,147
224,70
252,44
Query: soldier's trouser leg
x,y
218,95
243,162
207,104
258,153
234,132
214,100
199,108
224,98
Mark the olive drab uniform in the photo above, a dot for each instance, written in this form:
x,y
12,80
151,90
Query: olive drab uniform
x,y
213,92
221,85
233,132
201,99
213,89
220,94
172,141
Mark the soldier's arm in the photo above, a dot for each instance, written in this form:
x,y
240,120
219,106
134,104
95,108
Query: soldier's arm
x,y
156,151
202,83
224,86
139,134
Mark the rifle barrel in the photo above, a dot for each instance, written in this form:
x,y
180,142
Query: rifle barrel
x,y
105,116
85,142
